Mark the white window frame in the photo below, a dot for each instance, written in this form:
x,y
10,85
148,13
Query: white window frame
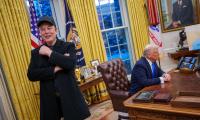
x,y
126,27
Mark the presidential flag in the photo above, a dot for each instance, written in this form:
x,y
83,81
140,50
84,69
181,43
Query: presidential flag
x,y
72,36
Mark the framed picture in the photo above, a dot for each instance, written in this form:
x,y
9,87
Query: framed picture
x,y
94,63
176,14
85,72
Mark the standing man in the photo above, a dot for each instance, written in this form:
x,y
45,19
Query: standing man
x,y
182,13
53,65
146,72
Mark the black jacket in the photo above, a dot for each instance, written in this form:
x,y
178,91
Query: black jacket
x,y
41,69
183,13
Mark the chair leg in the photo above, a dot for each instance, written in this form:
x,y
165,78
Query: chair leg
x,y
121,117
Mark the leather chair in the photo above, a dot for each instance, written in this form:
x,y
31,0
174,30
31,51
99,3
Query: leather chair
x,y
115,78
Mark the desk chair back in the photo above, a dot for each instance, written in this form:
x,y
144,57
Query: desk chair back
x,y
115,77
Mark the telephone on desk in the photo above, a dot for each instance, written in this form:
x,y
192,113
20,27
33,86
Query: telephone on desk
x,y
187,62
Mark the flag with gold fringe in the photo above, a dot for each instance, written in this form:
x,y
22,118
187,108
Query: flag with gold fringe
x,y
72,36
96,93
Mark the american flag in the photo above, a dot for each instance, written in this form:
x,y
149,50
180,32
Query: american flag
x,y
155,35
35,38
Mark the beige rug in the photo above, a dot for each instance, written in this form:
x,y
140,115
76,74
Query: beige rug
x,y
99,111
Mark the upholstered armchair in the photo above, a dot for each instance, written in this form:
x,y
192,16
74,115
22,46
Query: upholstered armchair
x,y
115,78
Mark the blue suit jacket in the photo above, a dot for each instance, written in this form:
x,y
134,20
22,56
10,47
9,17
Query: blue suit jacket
x,y
142,76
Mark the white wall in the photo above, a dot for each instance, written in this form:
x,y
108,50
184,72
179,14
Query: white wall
x,y
170,41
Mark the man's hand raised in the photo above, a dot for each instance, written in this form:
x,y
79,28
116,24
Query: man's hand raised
x,y
44,50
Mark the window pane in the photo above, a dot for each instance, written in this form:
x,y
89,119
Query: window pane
x,y
45,7
112,38
124,52
114,52
115,6
107,21
117,19
127,64
121,36
105,39
100,22
98,6
105,6
108,54
98,10
42,7
37,8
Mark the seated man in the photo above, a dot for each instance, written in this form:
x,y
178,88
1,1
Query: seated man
x,y
146,72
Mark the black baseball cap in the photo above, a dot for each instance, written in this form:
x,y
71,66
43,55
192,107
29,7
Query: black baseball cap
x,y
44,19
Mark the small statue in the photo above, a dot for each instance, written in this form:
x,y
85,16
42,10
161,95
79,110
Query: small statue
x,y
183,37
78,75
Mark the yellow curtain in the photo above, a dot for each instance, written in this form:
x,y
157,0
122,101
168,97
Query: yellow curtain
x,y
86,20
139,25
85,17
14,55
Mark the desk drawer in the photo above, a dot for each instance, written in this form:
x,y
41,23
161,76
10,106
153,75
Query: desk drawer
x,y
149,115
138,114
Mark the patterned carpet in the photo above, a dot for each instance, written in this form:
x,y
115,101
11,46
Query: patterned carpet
x,y
99,111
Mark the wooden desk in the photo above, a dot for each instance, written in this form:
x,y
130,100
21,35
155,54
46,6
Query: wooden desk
x,y
159,111
90,82
177,55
